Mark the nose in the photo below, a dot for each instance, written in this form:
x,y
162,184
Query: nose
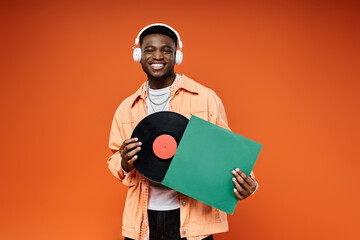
x,y
157,55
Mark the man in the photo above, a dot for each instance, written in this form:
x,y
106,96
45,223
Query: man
x,y
153,210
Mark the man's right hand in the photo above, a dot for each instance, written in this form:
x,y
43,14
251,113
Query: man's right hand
x,y
128,150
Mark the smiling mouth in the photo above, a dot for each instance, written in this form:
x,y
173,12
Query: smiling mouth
x,y
157,66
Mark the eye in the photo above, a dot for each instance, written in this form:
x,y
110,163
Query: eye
x,y
168,51
148,50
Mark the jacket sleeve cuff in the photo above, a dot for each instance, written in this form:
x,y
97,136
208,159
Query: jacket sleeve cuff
x,y
114,164
252,176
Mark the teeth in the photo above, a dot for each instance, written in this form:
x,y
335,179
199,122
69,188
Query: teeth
x,y
157,65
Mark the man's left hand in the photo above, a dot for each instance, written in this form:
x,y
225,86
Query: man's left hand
x,y
244,185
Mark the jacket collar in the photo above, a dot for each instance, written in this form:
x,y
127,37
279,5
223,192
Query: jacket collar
x,y
180,82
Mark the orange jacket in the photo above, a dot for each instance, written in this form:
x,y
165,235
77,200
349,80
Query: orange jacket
x,y
190,98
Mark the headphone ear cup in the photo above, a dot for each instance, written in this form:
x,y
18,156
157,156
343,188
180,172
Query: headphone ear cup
x,y
178,57
137,54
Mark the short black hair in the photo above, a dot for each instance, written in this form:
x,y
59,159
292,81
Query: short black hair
x,y
160,30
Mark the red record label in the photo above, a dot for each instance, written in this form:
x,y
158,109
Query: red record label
x,y
164,146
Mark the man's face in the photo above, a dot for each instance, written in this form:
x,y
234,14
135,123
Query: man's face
x,y
158,55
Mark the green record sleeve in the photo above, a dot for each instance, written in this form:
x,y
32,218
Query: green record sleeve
x,y
202,165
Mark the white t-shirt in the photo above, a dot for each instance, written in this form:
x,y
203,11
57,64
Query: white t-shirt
x,y
160,196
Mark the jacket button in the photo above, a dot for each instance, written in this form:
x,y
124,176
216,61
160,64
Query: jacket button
x,y
184,203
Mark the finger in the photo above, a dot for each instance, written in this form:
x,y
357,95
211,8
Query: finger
x,y
126,142
248,180
130,154
132,160
240,179
129,147
243,192
237,195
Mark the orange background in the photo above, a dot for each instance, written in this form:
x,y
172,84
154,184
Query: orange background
x,y
287,72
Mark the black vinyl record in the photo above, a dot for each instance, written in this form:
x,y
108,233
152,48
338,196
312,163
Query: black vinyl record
x,y
160,134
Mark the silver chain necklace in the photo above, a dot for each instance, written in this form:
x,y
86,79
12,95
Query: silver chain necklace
x,y
154,103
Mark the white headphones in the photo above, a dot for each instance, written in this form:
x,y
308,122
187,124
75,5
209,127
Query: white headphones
x,y
137,51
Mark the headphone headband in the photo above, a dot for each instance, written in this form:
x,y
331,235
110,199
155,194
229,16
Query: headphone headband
x,y
162,25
